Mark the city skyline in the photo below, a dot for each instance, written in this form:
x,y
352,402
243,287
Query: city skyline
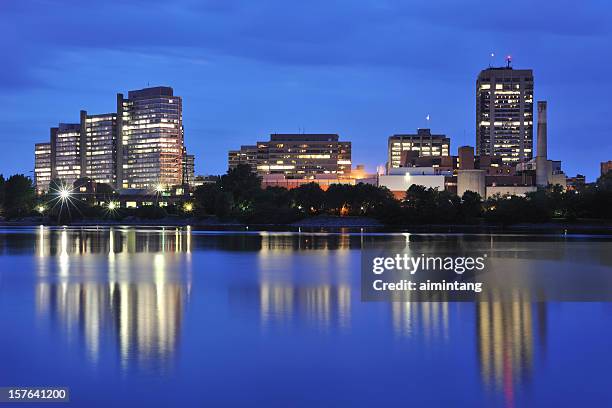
x,y
293,74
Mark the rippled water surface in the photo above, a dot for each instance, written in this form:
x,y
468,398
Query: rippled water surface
x,y
177,317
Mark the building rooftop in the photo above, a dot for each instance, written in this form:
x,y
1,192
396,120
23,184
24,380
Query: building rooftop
x,y
151,92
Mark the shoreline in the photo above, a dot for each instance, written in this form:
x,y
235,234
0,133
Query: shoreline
x,y
328,223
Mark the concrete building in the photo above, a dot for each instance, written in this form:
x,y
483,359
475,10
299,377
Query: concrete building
x,y
99,147
504,113
246,155
42,167
471,180
66,152
400,179
151,143
140,146
423,143
606,167
298,156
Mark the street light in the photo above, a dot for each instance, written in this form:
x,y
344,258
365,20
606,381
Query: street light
x,y
40,208
112,205
188,207
159,188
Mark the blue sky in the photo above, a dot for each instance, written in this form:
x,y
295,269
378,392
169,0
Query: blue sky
x,y
363,69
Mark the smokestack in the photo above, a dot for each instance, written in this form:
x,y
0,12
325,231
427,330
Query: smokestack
x,y
542,171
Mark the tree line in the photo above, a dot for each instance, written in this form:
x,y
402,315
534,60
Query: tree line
x,y
238,195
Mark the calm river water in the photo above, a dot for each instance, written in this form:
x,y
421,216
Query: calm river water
x,y
178,317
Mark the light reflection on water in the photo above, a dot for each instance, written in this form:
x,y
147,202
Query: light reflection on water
x,y
129,291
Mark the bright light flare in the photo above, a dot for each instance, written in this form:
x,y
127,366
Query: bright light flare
x,y
112,205
188,207
64,193
159,188
40,209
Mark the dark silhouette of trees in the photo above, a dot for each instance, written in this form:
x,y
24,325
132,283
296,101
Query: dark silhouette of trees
x,y
19,196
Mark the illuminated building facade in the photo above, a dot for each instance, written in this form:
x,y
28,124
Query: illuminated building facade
x,y
42,166
99,147
66,152
297,156
246,155
139,147
421,144
151,143
504,113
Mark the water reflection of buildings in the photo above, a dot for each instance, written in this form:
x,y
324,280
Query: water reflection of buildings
x,y
323,305
509,334
427,320
103,290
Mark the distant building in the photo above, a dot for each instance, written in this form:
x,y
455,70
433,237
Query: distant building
x,y
421,144
246,155
298,156
504,113
151,140
398,180
140,146
188,168
99,147
42,167
66,152
606,167
576,183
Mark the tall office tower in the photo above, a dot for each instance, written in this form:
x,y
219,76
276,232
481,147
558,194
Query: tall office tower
x,y
188,168
304,155
423,143
66,152
150,122
246,155
99,147
504,113
42,166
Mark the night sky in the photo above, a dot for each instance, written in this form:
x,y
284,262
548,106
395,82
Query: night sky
x,y
362,69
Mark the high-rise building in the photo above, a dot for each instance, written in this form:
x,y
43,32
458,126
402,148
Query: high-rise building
x,y
66,152
141,146
504,113
99,147
304,155
421,144
42,166
246,155
151,143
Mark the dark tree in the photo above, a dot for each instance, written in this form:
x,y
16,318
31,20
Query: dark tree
x,y
20,196
308,198
205,198
241,182
471,206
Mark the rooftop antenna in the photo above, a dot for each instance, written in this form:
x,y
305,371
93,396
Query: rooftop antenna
x,y
509,61
427,118
491,59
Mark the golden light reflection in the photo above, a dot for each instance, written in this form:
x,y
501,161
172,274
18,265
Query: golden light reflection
x,y
139,299
505,341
